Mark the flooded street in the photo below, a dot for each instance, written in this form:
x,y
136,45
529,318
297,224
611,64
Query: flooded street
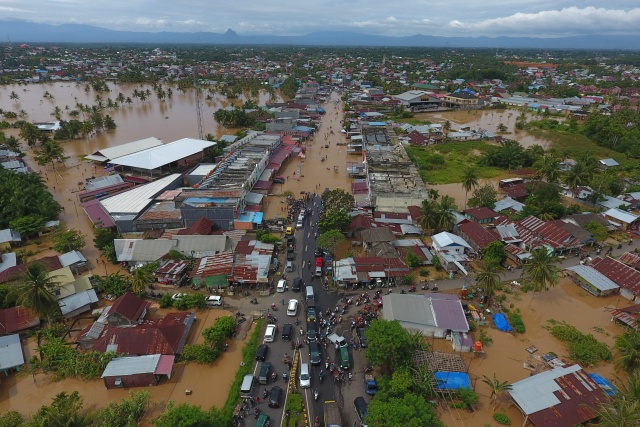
x,y
210,383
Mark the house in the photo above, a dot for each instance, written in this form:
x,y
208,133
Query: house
x,y
608,163
376,235
416,246
585,218
359,223
74,260
8,261
481,215
12,273
172,272
476,235
142,251
213,271
11,356
364,270
561,397
631,259
75,295
16,319
628,316
164,336
622,220
508,204
622,275
608,202
201,227
127,310
451,251
137,371
592,280
434,315
9,238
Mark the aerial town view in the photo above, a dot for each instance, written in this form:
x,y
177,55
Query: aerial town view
x,y
338,222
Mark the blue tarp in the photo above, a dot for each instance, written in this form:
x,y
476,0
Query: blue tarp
x,y
501,322
605,385
452,380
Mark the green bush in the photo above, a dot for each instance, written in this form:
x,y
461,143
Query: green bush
x,y
583,348
166,301
501,418
516,321
424,273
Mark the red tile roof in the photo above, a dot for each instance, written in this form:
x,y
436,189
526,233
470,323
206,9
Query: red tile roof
x,y
477,233
201,227
481,213
164,336
50,263
16,319
621,274
129,306
360,222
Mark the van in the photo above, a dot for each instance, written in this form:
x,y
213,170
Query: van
x,y
292,307
214,301
270,333
305,376
265,372
289,267
246,388
361,407
344,358
308,291
287,332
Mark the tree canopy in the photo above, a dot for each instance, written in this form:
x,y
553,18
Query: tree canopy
x,y
389,345
25,201
70,240
337,199
330,240
334,219
484,196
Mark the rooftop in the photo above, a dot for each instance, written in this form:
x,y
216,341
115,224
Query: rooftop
x,y
160,155
135,200
121,150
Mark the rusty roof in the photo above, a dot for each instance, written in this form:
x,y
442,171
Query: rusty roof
x,y
164,336
477,233
16,319
161,210
631,259
129,306
392,267
51,263
202,226
215,265
621,274
172,268
481,213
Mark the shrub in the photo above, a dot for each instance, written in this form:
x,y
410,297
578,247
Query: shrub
x,y
501,418
166,301
583,348
516,322
424,272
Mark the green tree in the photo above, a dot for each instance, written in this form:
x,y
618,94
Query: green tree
x,y
114,284
35,289
330,240
599,231
488,278
469,182
184,415
549,167
484,196
28,225
103,237
541,270
11,419
412,259
410,410
126,413
30,133
619,412
389,345
49,152
628,346
337,199
494,254
334,219
496,388
143,276
64,411
67,241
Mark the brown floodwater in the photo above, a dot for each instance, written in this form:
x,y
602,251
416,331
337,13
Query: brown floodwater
x,y
488,120
210,384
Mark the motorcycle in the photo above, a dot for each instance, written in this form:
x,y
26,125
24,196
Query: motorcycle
x,y
256,412
274,307
316,422
321,375
425,288
316,393
412,289
254,301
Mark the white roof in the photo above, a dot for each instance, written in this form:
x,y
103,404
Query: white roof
x,y
10,352
132,365
78,300
156,157
8,260
136,199
71,258
111,153
621,215
203,169
537,393
444,239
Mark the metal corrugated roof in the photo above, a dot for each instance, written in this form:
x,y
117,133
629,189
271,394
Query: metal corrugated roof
x,y
136,199
125,149
122,366
594,277
409,309
156,157
10,352
78,300
142,249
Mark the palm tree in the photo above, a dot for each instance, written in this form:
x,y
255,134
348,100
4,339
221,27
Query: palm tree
x,y
628,345
51,151
35,289
488,278
142,276
496,387
541,270
619,412
549,167
30,133
578,175
469,182
427,219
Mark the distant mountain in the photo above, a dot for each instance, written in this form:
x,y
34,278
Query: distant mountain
x,y
27,32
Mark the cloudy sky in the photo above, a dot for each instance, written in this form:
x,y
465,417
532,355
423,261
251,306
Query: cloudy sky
x,y
541,18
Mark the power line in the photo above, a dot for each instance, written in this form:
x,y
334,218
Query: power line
x,y
196,88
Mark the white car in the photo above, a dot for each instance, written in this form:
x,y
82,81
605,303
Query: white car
x,y
270,333
213,300
281,285
292,308
178,296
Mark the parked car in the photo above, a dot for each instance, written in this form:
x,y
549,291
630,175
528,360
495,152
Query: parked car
x,y
311,314
270,333
319,261
289,231
281,285
291,254
213,301
361,406
314,353
363,340
305,376
275,395
262,352
297,284
178,296
287,332
265,373
292,307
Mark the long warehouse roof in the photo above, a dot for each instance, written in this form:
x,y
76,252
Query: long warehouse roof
x,y
156,157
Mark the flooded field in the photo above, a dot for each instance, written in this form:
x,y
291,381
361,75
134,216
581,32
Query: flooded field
x,y
210,383
507,353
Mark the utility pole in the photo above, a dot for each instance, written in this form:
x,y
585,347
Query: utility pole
x,y
196,88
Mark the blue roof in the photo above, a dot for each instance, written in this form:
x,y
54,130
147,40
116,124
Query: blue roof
x,y
605,385
377,124
452,380
254,217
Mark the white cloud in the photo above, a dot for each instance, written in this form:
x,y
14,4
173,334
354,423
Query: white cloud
x,y
391,19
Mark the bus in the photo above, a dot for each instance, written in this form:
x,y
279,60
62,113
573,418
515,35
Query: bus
x,y
510,181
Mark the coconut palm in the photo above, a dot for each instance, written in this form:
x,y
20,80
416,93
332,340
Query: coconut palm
x,y
35,289
30,133
141,277
488,278
427,220
628,345
619,412
469,182
549,167
496,387
578,175
50,151
541,270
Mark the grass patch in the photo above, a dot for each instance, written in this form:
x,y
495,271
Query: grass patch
x,y
248,353
583,348
445,163
575,145
294,415
416,121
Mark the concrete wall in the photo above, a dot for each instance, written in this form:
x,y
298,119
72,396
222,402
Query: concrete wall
x,y
129,381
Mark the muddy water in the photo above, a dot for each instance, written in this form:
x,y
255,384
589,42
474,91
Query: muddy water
x,y
506,355
311,173
487,120
210,383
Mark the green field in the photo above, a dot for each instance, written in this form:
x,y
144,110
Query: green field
x,y
445,163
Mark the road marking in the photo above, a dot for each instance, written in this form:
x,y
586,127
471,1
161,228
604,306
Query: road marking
x,y
306,248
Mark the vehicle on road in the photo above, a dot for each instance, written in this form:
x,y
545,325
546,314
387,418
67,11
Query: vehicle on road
x,y
246,387
261,353
178,296
270,333
370,386
297,284
292,307
361,337
289,231
311,331
265,373
213,301
362,409
281,285
318,272
344,358
275,396
263,420
311,314
314,353
291,254
289,267
337,339
305,376
332,414
319,261
287,332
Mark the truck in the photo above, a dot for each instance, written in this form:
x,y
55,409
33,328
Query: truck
x,y
332,414
370,386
